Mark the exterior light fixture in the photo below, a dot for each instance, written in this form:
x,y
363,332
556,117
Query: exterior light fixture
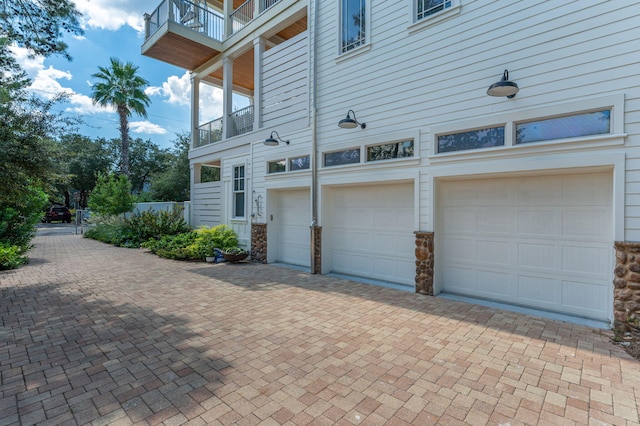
x,y
504,87
271,141
351,123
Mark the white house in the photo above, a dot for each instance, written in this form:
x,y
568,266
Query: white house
x,y
437,178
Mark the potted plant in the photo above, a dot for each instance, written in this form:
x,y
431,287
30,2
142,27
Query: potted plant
x,y
235,254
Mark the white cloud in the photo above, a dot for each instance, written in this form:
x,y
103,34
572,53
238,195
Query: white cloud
x,y
146,127
113,14
177,90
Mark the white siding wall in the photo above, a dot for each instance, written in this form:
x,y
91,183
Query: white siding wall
x,y
285,81
412,78
206,204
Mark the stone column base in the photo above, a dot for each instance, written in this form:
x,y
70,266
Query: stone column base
x,y
626,286
259,242
424,262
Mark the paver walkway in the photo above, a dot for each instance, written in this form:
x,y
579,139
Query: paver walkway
x,y
93,334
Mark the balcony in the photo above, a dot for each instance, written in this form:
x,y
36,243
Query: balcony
x,y
240,122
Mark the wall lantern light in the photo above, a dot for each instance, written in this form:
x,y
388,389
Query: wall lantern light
x,y
504,87
271,141
351,123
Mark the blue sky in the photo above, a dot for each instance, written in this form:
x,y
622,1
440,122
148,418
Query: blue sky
x,y
114,28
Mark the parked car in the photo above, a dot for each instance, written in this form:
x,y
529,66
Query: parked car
x,y
60,213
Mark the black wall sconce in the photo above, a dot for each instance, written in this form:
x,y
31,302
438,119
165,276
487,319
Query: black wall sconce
x,y
504,87
271,141
351,123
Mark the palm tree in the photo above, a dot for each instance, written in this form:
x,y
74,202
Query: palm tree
x,y
120,87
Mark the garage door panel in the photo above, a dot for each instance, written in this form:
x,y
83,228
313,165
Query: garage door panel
x,y
583,296
497,282
585,224
539,222
459,221
538,289
585,260
538,255
494,252
553,250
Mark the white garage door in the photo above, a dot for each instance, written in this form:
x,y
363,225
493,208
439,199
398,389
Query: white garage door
x,y
371,232
292,218
543,241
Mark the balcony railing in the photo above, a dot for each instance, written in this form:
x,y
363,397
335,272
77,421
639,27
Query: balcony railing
x,y
209,133
189,14
245,13
241,122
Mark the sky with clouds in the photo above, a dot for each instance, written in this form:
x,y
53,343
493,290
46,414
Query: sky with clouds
x,y
115,28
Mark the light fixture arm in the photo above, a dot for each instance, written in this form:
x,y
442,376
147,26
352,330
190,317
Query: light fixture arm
x,y
271,141
351,123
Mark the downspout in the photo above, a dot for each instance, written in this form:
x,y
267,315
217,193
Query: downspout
x,y
314,157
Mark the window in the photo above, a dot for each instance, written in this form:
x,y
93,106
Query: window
x,y
390,150
299,163
338,158
572,126
277,166
473,139
238,191
425,8
353,25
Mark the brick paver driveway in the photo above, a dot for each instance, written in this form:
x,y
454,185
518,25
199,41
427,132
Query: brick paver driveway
x,y
103,335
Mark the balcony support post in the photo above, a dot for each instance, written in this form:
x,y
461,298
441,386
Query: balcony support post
x,y
258,53
195,111
227,96
228,22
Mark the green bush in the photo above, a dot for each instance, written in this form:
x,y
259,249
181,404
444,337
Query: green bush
x,y
139,227
207,239
111,195
11,257
173,246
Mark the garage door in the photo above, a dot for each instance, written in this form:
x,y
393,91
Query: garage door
x,y
543,241
292,218
371,232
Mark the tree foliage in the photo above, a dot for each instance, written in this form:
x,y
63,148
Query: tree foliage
x,y
121,87
39,25
173,183
111,195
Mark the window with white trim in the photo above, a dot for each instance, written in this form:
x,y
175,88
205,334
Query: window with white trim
x,y
426,8
353,24
471,139
238,192
569,126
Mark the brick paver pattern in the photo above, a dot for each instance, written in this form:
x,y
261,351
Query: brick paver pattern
x,y
94,334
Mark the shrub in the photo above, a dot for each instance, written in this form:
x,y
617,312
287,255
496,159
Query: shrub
x,y
11,257
173,246
207,239
137,228
111,195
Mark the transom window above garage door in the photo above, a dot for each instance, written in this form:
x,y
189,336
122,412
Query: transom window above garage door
x,y
288,165
388,151
585,123
571,126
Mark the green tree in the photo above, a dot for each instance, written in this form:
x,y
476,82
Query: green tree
x,y
111,195
84,159
173,183
39,25
146,159
120,86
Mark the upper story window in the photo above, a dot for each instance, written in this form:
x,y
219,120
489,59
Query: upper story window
x,y
426,8
238,192
353,24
